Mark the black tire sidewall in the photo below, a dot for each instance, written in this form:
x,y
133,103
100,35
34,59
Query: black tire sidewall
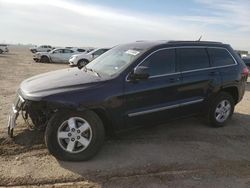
x,y
221,96
82,61
97,140
44,59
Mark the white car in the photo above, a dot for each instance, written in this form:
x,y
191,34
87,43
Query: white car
x,y
3,48
81,60
42,48
59,55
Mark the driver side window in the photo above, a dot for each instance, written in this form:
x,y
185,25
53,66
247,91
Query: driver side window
x,y
161,62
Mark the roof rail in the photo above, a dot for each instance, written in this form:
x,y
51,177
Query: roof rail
x,y
180,41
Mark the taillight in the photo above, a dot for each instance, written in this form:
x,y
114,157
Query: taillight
x,y
245,71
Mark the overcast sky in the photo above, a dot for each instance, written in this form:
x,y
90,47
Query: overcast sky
x,y
111,22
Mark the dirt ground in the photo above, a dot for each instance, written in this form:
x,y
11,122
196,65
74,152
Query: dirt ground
x,y
182,153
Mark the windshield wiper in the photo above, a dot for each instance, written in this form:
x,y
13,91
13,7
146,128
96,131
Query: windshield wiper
x,y
89,69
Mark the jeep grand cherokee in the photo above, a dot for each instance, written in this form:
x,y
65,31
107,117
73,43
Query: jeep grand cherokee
x,y
131,85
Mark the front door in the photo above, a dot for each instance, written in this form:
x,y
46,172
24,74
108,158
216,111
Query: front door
x,y
155,99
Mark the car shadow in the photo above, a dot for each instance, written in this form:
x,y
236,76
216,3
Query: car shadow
x,y
23,141
158,146
52,63
248,85
3,56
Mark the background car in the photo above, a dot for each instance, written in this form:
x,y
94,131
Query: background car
x,y
59,55
42,48
247,61
3,48
81,60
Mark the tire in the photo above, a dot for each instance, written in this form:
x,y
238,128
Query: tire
x,y
45,59
58,145
82,63
221,110
1,51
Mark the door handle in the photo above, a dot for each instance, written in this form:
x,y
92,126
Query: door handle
x,y
172,80
213,73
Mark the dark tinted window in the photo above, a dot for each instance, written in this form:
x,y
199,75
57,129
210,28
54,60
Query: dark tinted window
x,y
161,62
220,57
81,50
193,58
68,51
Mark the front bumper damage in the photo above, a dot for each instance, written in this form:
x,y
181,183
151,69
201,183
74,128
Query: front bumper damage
x,y
17,106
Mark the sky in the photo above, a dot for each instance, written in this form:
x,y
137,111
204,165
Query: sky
x,y
105,23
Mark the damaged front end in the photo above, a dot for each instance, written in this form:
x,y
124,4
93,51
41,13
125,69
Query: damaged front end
x,y
17,106
36,111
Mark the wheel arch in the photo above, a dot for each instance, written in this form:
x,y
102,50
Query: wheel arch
x,y
233,91
106,120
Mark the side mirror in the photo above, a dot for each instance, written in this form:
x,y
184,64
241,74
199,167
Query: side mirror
x,y
140,73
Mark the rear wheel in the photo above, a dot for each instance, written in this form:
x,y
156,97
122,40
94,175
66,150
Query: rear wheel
x,y
221,109
1,51
74,136
45,59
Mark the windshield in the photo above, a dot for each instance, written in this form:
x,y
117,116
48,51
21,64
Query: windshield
x,y
115,60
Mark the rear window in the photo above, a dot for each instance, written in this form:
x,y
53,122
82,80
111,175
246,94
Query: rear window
x,y
220,57
192,58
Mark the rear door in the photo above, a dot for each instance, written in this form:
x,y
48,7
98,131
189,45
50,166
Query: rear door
x,y
223,60
155,99
199,79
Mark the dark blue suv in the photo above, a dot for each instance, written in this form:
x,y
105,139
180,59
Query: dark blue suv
x,y
131,85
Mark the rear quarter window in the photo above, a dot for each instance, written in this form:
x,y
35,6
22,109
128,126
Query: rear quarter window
x,y
192,58
220,57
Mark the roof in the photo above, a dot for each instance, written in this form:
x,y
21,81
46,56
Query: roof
x,y
150,44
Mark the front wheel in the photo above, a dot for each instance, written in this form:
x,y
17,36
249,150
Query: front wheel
x,y
74,136
221,110
82,63
45,59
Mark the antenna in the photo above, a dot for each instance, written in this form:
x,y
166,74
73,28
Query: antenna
x,y
199,38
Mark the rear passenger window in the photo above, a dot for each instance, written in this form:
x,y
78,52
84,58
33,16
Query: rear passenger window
x,y
193,58
220,57
161,62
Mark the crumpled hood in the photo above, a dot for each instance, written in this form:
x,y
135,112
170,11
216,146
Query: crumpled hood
x,y
57,82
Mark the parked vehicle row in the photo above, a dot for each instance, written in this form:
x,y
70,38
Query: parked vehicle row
x,y
72,55
4,48
131,85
